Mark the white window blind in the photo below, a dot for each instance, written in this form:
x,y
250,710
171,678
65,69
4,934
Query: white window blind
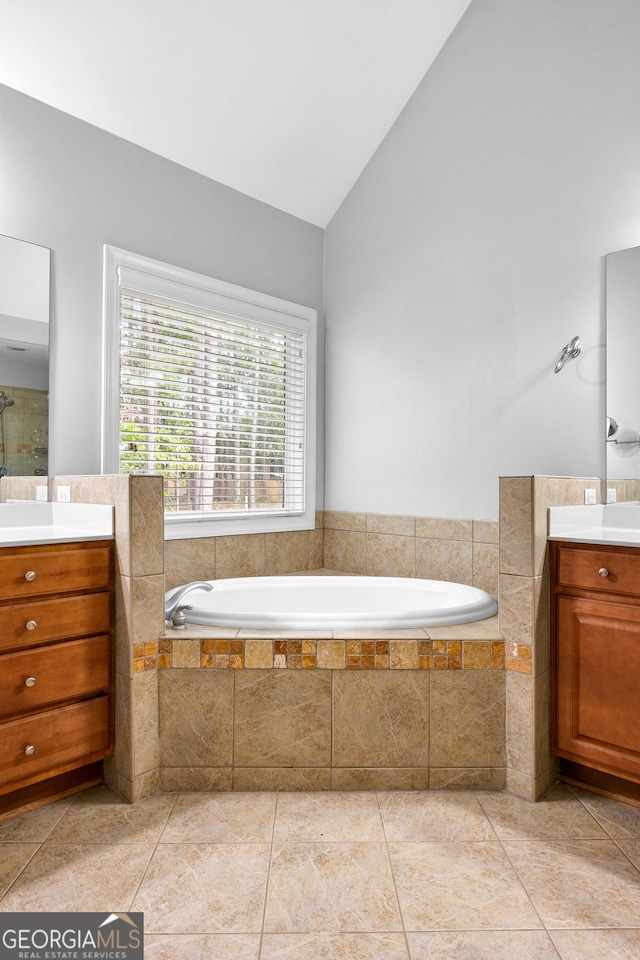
x,y
214,398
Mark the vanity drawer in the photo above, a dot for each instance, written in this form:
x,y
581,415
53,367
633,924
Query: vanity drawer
x,y
62,671
53,741
580,568
38,571
50,620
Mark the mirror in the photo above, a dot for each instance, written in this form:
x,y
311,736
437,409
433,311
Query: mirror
x,y
623,383
24,358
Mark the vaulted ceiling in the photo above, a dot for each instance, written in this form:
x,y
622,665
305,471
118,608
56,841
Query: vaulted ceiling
x,y
284,100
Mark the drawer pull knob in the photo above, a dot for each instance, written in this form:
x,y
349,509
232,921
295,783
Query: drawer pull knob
x,y
30,682
29,750
31,624
30,575
603,572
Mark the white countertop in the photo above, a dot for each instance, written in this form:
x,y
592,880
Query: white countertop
x,y
611,524
24,522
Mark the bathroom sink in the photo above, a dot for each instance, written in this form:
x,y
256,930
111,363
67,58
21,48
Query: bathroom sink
x,y
24,522
616,524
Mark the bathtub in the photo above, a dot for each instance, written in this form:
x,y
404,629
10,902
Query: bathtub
x,y
336,603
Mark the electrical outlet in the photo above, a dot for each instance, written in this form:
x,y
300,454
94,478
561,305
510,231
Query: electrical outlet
x,y
63,495
589,496
611,495
42,493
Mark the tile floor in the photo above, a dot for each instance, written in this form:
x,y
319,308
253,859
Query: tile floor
x,y
322,876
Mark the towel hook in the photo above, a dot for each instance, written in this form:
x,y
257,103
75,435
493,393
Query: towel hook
x,y
570,352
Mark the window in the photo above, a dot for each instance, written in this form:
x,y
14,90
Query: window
x,y
213,387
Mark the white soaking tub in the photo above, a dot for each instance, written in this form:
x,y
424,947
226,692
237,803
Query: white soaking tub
x,y
336,603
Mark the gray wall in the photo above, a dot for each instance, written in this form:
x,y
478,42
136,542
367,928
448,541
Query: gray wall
x,y
471,250
71,187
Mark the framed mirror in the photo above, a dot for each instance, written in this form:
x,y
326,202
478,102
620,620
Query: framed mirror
x,y
24,358
623,382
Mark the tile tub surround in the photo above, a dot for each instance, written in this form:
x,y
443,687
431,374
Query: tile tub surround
x,y
145,562
270,729
364,875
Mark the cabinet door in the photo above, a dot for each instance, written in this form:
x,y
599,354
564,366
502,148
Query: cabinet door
x,y
598,685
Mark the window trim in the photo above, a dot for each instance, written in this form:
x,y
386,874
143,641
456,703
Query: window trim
x,y
202,290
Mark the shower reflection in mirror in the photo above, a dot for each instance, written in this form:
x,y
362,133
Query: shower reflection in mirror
x,y
24,358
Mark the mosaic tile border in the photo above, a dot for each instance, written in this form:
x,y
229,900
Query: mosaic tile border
x,y
320,654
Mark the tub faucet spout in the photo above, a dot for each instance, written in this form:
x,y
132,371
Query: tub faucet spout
x,y
173,599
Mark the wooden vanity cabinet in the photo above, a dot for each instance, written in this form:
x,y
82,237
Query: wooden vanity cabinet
x,y
595,665
55,669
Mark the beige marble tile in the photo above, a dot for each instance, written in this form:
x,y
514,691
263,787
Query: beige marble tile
x,y
467,718
187,560
433,816
592,883
145,785
343,520
483,945
380,778
147,526
327,946
214,946
242,556
13,858
122,632
147,605
458,886
390,556
519,723
221,818
146,745
632,850
521,785
123,720
486,531
516,608
282,778
516,526
185,654
467,778
101,819
380,718
542,724
444,560
198,779
554,492
620,820
287,552
316,549
399,526
282,718
35,825
597,944
258,654
330,654
331,888
345,550
80,877
195,711
329,818
204,888
560,815
486,567
444,528
541,626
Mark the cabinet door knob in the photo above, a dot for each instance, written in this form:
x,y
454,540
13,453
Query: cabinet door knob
x,y
31,624
30,575
30,682
603,572
29,750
